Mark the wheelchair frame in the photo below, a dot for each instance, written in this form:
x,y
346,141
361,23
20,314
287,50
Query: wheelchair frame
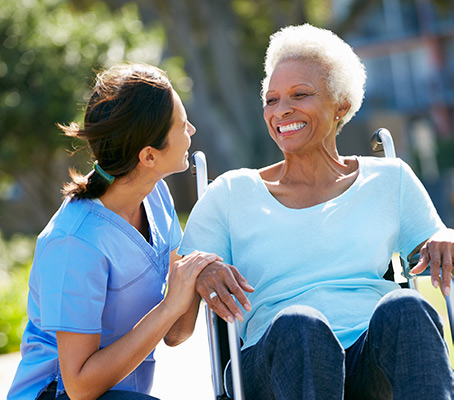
x,y
216,326
220,332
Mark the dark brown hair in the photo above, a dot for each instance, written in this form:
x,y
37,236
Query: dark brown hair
x,y
130,108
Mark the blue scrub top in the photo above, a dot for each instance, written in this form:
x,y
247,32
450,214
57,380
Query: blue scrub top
x,y
94,273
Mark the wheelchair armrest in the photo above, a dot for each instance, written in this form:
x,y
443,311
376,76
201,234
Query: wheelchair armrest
x,y
413,260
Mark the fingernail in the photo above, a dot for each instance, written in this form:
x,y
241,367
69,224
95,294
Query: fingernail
x,y
435,284
230,319
247,307
239,317
446,291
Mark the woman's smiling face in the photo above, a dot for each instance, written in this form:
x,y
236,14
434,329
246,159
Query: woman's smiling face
x,y
299,112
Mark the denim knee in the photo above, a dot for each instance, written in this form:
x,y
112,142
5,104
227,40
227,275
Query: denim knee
x,y
298,357
404,302
299,314
306,324
406,308
406,338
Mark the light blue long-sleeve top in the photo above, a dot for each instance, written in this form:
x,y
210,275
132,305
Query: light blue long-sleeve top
x,y
94,273
331,256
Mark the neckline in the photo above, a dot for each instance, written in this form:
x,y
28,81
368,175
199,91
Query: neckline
x,y
344,194
127,227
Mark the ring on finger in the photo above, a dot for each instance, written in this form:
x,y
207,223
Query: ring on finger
x,y
212,295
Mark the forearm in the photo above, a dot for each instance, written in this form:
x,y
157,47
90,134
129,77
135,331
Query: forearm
x,y
88,372
183,328
104,368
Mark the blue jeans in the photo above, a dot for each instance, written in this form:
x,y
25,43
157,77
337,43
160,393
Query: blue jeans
x,y
117,395
401,356
51,390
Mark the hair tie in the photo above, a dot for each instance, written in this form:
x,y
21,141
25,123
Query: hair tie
x,y
109,178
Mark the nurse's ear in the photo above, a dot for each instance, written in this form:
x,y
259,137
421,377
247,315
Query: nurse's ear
x,y
148,156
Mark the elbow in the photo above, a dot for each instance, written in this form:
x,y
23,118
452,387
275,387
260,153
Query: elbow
x,y
173,340
181,330
80,392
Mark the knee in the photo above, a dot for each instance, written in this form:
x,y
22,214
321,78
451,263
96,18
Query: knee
x,y
407,306
404,300
302,324
298,317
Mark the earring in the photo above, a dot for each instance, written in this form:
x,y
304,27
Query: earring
x,y
337,117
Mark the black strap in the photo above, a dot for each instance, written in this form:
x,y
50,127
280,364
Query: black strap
x,y
50,392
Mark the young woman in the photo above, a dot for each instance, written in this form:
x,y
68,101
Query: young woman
x,y
101,296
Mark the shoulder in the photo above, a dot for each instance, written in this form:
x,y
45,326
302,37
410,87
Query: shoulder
x,y
60,255
383,166
236,177
380,162
68,219
229,185
78,225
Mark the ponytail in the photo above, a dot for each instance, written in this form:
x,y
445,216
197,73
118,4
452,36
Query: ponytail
x,y
89,186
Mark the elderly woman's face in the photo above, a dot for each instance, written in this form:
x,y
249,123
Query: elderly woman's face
x,y
299,111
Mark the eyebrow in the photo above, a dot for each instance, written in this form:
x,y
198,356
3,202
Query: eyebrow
x,y
294,86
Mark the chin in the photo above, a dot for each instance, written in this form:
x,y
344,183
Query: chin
x,y
184,167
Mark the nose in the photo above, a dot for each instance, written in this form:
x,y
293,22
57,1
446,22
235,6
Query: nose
x,y
191,129
283,109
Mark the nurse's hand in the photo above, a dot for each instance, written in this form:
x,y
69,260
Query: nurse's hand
x,y
182,279
217,283
439,251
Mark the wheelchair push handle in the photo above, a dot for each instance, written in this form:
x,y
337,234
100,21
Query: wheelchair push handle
x,y
199,170
383,141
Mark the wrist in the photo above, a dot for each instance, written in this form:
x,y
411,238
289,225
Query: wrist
x,y
171,308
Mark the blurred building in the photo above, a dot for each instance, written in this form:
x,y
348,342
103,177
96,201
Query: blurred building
x,y
407,47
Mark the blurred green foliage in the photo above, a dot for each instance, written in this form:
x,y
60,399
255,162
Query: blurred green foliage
x,y
15,261
49,53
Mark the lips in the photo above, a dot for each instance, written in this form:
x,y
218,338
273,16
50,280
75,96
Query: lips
x,y
292,127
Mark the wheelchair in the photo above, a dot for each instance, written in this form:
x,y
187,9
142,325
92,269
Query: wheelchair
x,y
223,337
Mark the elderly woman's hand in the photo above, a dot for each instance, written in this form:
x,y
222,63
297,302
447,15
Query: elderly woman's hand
x,y
439,251
217,283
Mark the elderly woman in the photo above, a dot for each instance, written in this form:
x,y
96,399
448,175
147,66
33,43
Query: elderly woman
x,y
313,234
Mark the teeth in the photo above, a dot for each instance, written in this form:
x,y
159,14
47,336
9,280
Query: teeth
x,y
291,127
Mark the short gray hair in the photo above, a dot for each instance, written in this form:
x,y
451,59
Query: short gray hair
x,y
346,74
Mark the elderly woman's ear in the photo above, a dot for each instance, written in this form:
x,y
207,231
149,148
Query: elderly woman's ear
x,y
343,109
